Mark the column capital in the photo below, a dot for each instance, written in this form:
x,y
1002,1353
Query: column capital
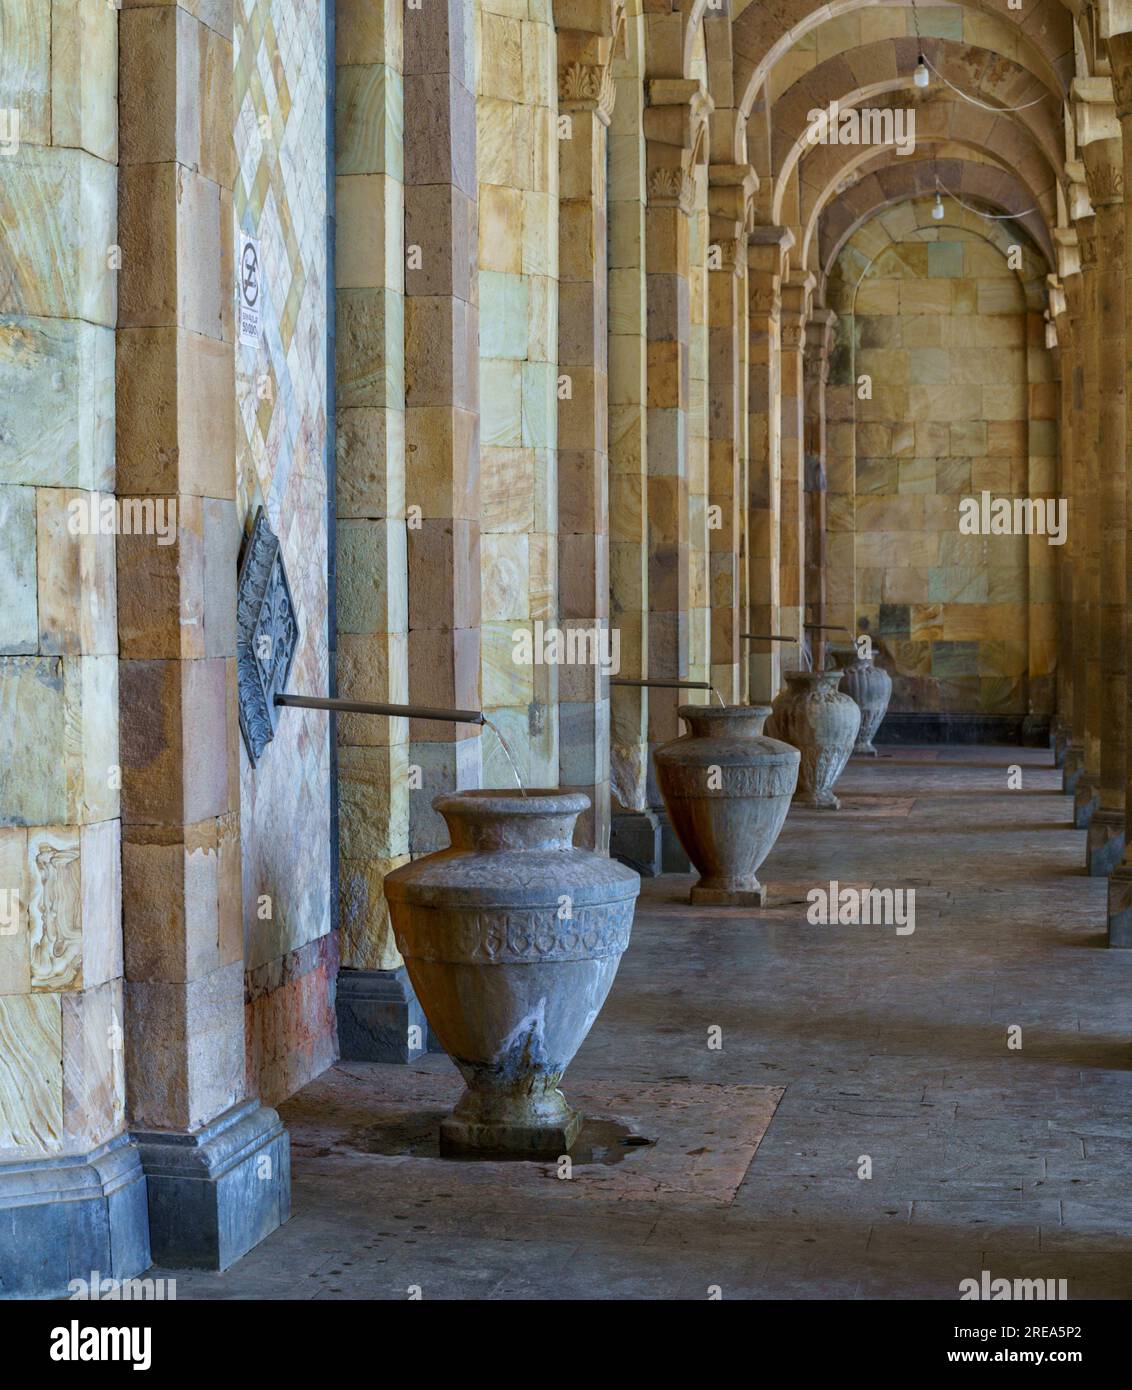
x,y
676,133
1068,251
1104,171
588,35
731,194
1120,60
1094,110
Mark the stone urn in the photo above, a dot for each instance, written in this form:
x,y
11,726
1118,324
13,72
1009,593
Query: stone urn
x,y
727,788
512,937
822,723
870,688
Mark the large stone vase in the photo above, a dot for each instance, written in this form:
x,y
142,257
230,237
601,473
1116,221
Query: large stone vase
x,y
822,723
870,687
512,937
727,789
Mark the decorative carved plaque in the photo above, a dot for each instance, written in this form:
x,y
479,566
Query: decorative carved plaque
x,y
267,633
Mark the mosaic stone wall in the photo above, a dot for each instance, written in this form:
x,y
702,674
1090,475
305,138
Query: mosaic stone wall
x,y
279,57
940,328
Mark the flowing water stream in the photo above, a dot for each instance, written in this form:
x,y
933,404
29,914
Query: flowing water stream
x,y
508,754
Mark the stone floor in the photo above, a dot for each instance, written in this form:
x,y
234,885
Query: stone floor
x,y
1014,1161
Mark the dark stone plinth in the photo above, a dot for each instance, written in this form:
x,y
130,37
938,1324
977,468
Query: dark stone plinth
x,y
379,1017
216,1193
673,860
1120,907
1071,768
634,839
1086,799
1059,743
1026,731
64,1218
1104,844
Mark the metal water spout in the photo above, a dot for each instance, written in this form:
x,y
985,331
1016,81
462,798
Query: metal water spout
x,y
338,706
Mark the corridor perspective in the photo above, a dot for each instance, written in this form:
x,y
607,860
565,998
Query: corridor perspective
x,y
564,598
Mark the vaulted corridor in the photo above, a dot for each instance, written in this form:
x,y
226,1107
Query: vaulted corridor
x,y
565,596
983,1157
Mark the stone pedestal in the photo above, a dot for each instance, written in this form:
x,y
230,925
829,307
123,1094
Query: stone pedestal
x,y
1104,844
216,1192
1086,798
379,1018
62,1218
1120,907
1071,768
635,839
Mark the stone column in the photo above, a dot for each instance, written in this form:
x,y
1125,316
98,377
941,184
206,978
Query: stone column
x,y
767,249
442,474
1104,168
1074,450
72,1193
1059,318
1087,792
675,125
585,101
217,1162
815,367
731,189
1120,880
796,295
375,1005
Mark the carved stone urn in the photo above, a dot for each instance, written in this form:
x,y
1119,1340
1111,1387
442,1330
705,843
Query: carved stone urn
x,y
512,937
871,688
822,723
727,788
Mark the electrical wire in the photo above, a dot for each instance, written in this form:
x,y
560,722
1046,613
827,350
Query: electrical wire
x,y
985,105
989,216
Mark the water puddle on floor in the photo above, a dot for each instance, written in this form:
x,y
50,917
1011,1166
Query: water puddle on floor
x,y
418,1136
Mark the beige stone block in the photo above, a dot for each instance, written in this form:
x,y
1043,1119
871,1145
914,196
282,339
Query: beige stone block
x,y
370,216
925,296
75,572
15,962
84,70
370,455
373,667
916,475
55,925
58,208
501,229
25,84
1004,403
373,801
495,141
31,1087
1000,296
506,683
501,58
506,577
366,940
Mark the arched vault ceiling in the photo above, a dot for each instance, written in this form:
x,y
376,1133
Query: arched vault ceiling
x,y
764,31
854,76
981,185
941,120
885,228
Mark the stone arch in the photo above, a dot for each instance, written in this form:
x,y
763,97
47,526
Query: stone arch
x,y
764,35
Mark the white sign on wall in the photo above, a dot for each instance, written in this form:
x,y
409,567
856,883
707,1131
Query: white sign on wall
x,y
248,291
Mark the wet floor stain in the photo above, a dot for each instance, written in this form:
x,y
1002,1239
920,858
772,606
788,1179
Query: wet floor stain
x,y
418,1136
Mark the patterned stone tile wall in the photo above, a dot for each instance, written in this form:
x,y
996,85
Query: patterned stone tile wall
x,y
280,62
941,332
62,1084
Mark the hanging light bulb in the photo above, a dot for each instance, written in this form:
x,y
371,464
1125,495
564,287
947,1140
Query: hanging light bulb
x,y
920,75
937,209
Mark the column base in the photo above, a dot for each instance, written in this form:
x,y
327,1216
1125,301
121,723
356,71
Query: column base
x,y
219,1191
1086,799
673,860
1071,768
1120,907
65,1218
1104,844
376,1011
634,839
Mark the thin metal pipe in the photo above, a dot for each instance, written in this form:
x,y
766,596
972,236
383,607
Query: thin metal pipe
x,y
766,637
825,627
451,716
661,683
